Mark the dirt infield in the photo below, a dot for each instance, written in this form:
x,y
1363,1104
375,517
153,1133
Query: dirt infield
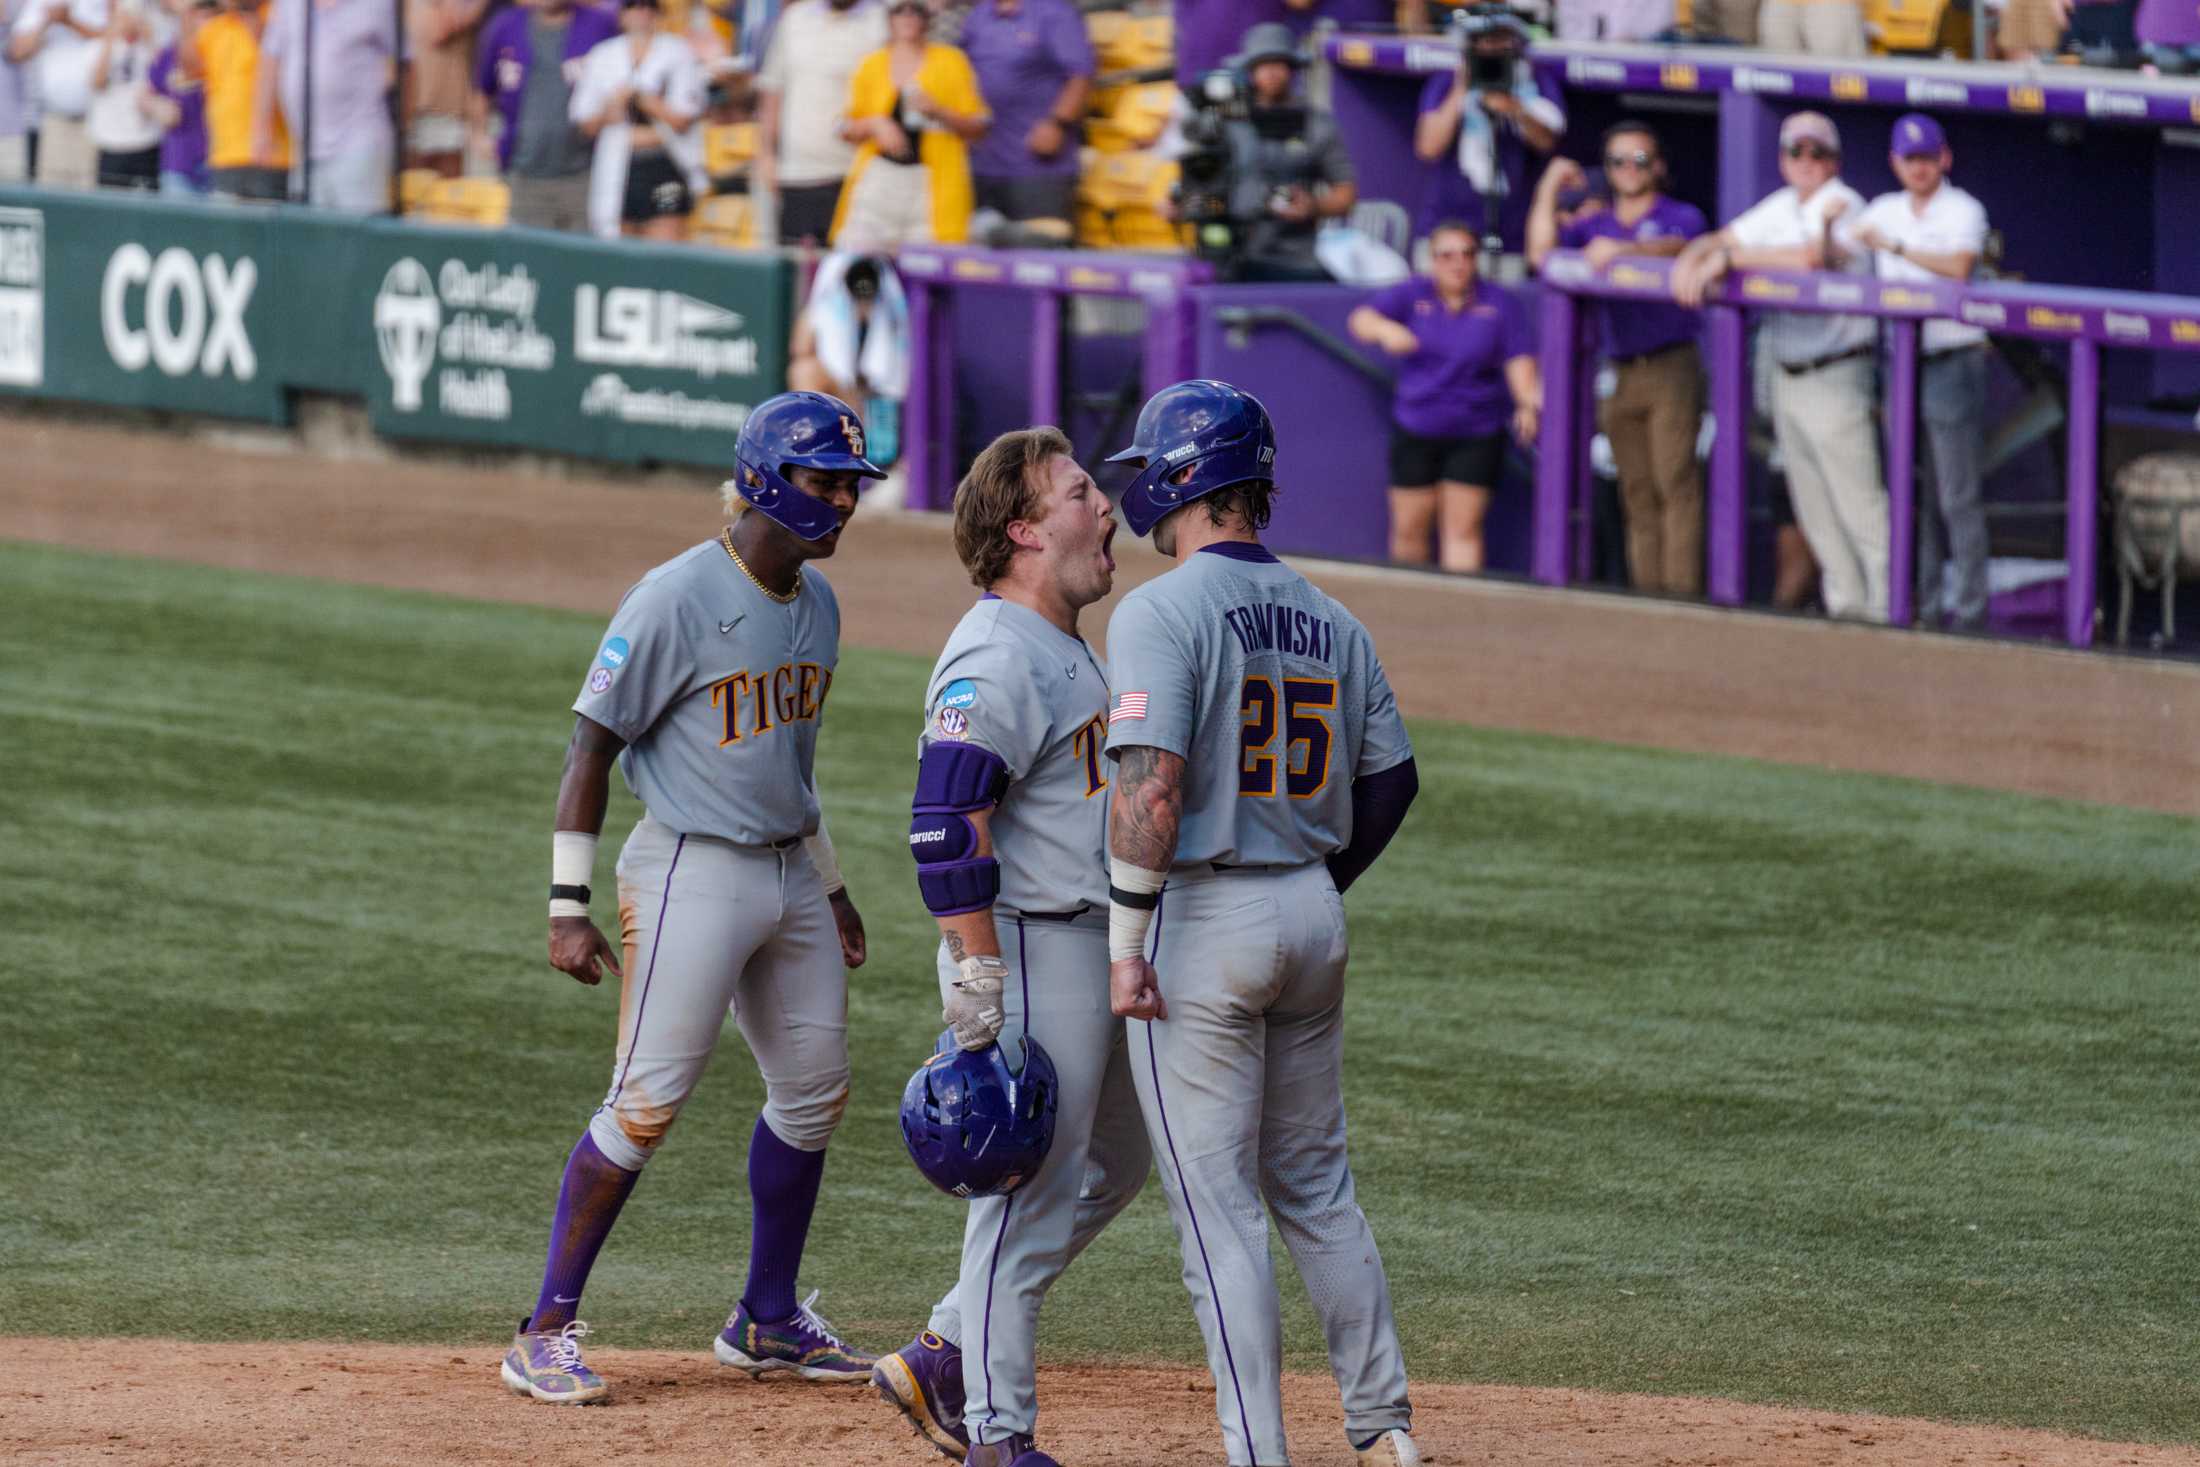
x,y
2022,718
146,1402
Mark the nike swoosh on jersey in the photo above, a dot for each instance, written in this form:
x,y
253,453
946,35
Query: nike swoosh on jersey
x,y
727,626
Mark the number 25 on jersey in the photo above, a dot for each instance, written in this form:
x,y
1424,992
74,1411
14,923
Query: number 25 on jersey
x,y
1297,713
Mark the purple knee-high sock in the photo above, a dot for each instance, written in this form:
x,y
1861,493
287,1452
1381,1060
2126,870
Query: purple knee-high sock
x,y
589,1199
782,1194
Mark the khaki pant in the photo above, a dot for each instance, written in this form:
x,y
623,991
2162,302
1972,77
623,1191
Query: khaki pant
x,y
12,156
66,157
1823,421
889,205
1651,420
1812,27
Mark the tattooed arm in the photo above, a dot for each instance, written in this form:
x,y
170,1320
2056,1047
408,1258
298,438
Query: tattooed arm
x,y
1142,830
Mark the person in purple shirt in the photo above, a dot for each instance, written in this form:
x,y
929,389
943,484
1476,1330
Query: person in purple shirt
x,y
2168,32
526,64
1656,407
179,100
1478,129
1207,31
1034,65
1466,370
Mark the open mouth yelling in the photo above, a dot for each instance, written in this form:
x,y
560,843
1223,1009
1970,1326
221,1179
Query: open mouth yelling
x,y
1107,539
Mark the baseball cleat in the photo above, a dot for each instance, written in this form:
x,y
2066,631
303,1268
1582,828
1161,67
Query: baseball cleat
x,y
1393,1448
804,1344
547,1366
923,1380
1006,1453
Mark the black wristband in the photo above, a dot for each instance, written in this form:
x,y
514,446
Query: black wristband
x,y
1142,901
569,893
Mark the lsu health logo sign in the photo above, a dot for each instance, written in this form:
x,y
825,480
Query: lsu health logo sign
x,y
22,298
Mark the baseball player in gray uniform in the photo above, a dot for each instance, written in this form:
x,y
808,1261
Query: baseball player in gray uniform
x,y
1010,820
1261,766
708,688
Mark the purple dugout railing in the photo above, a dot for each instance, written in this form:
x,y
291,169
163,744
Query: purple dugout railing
x,y
2087,320
935,277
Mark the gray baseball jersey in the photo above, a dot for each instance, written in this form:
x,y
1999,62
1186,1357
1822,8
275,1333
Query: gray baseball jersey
x,y
717,690
1013,683
1271,692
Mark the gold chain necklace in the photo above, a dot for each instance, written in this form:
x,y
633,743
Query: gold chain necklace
x,y
725,538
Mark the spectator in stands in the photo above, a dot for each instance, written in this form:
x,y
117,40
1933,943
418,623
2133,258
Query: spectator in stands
x,y
1466,369
529,57
177,100
2105,31
440,35
947,21
124,128
225,54
802,102
1301,173
56,39
1207,32
1812,27
2168,32
912,109
1632,21
15,99
351,140
1825,387
1931,230
1656,407
1727,22
640,96
1478,128
1035,65
2031,29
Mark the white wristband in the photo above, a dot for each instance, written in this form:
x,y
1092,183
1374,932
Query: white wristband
x,y
1130,920
572,863
820,847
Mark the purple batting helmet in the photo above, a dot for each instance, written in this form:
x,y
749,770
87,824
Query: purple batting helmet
x,y
975,1126
809,430
1221,433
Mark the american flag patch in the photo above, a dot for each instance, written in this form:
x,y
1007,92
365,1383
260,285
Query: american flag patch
x,y
1127,705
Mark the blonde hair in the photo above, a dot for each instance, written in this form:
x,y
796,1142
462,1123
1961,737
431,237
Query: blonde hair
x,y
1003,486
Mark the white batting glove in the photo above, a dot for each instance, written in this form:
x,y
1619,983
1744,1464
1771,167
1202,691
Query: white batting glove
x,y
974,1001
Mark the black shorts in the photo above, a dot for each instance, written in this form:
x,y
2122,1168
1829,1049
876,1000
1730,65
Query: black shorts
x,y
1418,463
655,189
806,212
1048,196
140,169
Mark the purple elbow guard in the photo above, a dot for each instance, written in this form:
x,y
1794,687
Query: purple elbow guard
x,y
953,780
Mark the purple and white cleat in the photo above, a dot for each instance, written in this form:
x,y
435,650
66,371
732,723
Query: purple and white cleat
x,y
546,1365
804,1344
923,1380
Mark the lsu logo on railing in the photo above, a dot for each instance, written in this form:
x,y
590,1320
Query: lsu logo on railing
x,y
976,270
1896,298
1757,288
1356,53
1084,278
1849,87
2047,318
1678,76
1634,277
2185,333
2027,99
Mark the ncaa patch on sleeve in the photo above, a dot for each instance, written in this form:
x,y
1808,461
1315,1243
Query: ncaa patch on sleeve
x,y
615,653
961,693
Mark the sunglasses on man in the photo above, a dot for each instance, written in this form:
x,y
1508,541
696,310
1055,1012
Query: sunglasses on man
x,y
1815,152
1637,159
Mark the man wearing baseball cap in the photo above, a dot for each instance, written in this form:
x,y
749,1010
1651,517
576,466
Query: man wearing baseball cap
x,y
1931,230
1825,376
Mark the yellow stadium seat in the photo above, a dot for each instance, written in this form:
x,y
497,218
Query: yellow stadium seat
x,y
484,202
724,220
728,147
1141,112
1130,43
1917,26
1119,202
413,186
1103,136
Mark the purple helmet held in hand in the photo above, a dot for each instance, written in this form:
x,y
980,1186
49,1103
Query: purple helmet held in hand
x,y
975,1126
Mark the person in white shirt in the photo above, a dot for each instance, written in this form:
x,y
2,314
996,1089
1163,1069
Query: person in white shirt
x,y
56,39
1926,230
1825,377
802,100
124,131
640,96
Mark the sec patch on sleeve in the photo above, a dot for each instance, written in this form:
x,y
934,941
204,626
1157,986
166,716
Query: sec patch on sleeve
x,y
599,681
951,723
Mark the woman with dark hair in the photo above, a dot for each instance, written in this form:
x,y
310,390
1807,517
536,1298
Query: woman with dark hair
x,y
640,96
1466,369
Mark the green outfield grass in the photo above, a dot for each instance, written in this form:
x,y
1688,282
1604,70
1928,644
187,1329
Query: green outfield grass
x,y
1666,1073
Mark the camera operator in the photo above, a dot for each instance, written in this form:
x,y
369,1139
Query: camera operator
x,y
1478,128
1262,175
